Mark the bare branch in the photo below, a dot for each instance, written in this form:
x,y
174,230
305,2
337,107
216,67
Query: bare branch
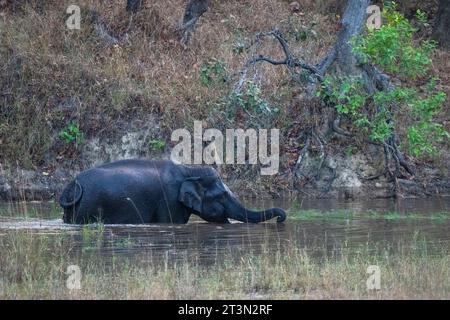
x,y
290,61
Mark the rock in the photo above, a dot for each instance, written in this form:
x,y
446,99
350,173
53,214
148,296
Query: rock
x,y
133,144
347,178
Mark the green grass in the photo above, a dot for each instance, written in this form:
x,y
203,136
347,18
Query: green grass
x,y
92,235
438,217
395,216
30,210
321,215
157,145
127,242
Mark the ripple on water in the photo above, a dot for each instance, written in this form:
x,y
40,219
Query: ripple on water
x,y
201,241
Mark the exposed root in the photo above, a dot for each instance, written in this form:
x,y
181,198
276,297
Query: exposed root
x,y
303,152
375,177
322,155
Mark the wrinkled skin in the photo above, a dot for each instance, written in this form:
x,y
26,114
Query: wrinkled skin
x,y
144,191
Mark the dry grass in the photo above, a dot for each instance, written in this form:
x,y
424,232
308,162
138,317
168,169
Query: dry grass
x,y
33,267
52,76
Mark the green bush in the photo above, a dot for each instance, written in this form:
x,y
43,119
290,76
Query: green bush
x,y
211,71
157,145
393,49
71,134
251,99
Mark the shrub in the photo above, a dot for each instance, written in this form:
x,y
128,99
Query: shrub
x,y
212,71
157,145
71,134
393,48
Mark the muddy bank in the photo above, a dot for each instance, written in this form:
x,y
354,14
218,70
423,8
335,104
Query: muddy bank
x,y
343,183
338,176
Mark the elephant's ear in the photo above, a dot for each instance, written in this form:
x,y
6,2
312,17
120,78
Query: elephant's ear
x,y
191,193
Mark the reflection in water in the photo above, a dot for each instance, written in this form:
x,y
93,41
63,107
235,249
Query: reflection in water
x,y
208,243
414,205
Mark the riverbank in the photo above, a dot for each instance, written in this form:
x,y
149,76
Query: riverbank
x,y
17,184
324,250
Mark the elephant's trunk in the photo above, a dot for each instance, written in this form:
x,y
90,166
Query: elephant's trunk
x,y
235,210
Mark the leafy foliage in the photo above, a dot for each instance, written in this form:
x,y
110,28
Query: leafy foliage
x,y
157,144
71,133
213,70
347,94
393,48
250,99
423,135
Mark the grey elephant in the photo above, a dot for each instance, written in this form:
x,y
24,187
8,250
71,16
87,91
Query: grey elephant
x,y
146,191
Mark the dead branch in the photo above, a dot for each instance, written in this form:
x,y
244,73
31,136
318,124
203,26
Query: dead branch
x,y
290,61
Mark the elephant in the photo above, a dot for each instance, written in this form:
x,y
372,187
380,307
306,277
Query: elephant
x,y
154,191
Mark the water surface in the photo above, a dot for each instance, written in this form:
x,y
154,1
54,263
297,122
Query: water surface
x,y
313,225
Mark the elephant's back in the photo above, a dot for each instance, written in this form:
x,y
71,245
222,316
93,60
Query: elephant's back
x,y
138,164
126,168
130,176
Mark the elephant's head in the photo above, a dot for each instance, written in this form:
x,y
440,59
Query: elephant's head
x,y
211,199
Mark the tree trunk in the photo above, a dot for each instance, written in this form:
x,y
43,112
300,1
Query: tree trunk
x,y
353,22
194,10
345,64
442,27
134,5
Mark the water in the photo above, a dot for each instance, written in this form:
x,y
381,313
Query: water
x,y
331,226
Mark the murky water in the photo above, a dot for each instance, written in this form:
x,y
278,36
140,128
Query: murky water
x,y
313,225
